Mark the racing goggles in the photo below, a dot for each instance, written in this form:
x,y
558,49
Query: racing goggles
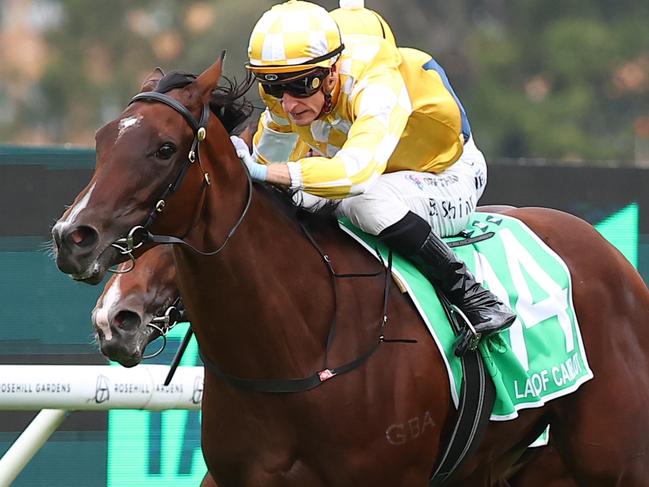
x,y
300,85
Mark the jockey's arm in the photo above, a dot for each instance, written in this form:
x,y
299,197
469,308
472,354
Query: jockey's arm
x,y
278,174
380,113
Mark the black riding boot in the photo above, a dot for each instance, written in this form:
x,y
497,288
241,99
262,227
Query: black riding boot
x,y
413,238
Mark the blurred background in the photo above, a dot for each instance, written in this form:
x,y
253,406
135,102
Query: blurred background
x,y
566,81
557,94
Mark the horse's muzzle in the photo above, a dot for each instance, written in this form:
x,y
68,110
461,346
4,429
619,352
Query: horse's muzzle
x,y
76,252
124,348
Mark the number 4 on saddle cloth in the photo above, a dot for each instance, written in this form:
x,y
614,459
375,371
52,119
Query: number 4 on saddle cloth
x,y
541,356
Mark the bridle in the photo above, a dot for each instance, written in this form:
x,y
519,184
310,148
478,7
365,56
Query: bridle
x,y
139,234
163,324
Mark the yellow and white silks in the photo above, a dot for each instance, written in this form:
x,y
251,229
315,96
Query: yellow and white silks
x,y
390,116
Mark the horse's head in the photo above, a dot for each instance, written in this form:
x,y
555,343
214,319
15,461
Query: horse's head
x,y
143,157
124,318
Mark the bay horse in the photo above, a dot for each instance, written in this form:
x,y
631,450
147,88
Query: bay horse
x,y
124,316
263,302
122,322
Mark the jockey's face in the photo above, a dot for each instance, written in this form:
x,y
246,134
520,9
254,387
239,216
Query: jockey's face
x,y
304,111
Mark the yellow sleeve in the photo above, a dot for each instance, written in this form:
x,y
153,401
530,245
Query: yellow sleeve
x,y
380,107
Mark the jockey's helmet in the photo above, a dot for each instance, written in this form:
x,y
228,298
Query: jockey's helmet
x,y
293,37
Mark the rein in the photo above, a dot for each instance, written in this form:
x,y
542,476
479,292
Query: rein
x,y
477,390
139,235
316,379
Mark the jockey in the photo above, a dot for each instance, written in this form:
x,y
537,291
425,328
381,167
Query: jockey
x,y
389,138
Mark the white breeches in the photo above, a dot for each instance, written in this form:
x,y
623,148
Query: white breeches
x,y
445,200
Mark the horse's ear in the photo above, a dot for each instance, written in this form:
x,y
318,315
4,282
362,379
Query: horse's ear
x,y
209,80
151,81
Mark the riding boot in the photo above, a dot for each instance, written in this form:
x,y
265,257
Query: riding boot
x,y
435,259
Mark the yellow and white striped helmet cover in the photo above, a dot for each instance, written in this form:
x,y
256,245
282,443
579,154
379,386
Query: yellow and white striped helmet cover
x,y
291,35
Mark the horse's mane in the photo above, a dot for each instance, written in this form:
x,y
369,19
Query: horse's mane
x,y
228,103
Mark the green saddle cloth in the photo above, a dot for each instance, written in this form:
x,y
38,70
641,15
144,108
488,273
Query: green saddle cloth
x,y
541,356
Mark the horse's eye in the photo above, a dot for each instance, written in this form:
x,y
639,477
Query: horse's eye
x,y
165,151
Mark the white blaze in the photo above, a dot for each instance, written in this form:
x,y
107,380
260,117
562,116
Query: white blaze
x,y
76,209
128,123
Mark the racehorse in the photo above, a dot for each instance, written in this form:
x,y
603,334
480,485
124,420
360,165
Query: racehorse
x,y
128,312
123,321
262,305
127,316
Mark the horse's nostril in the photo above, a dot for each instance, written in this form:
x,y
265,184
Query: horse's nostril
x,y
127,320
83,236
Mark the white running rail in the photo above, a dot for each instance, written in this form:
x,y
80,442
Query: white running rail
x,y
57,390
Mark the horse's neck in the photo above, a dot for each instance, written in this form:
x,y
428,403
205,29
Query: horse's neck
x,y
266,292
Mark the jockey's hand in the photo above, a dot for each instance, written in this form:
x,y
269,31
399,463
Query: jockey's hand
x,y
257,171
